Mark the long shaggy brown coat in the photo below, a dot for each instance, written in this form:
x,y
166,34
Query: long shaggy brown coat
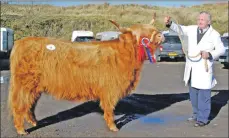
x,y
105,71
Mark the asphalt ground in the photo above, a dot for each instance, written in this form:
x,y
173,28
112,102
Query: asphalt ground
x,y
159,107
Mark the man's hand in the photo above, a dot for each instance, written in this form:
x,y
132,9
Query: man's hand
x,y
205,55
167,20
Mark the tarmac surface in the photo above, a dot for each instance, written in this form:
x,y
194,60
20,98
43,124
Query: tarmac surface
x,y
159,107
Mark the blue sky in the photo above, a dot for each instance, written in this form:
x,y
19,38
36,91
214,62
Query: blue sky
x,y
167,3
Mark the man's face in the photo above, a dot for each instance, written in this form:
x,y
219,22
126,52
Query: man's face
x,y
203,21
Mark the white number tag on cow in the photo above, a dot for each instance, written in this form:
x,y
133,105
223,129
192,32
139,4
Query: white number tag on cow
x,y
51,47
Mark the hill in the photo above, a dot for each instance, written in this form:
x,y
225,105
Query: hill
x,y
59,22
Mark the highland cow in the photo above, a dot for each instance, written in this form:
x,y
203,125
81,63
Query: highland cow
x,y
106,71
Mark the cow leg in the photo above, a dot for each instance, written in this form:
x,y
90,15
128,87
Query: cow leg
x,y
18,115
109,114
22,109
30,116
18,109
15,102
109,118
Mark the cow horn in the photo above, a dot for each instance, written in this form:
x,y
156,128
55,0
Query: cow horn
x,y
152,21
121,29
152,36
124,30
116,25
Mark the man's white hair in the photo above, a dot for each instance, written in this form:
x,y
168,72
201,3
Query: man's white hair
x,y
208,14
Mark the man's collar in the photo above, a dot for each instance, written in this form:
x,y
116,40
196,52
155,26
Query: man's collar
x,y
205,29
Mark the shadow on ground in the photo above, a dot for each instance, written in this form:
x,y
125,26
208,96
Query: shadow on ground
x,y
132,107
218,101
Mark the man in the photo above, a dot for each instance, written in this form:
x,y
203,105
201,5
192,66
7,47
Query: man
x,y
203,39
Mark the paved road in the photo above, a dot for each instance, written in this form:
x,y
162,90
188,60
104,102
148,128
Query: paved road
x,y
158,108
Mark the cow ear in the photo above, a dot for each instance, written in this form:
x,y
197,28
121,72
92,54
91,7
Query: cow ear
x,y
153,19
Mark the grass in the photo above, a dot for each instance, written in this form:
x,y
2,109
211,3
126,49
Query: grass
x,y
59,22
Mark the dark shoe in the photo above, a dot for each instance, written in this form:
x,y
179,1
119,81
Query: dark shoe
x,y
199,124
191,119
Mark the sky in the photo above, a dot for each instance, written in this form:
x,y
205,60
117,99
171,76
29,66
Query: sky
x,y
167,3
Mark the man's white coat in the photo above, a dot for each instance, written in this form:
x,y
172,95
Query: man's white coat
x,y
210,42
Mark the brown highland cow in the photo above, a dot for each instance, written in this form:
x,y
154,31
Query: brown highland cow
x,y
106,71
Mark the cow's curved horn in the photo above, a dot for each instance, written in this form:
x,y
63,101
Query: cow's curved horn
x,y
116,25
121,29
124,30
152,21
152,36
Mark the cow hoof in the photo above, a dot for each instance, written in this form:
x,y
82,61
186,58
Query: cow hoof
x,y
22,132
114,129
34,124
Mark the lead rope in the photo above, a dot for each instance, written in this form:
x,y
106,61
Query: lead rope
x,y
186,53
